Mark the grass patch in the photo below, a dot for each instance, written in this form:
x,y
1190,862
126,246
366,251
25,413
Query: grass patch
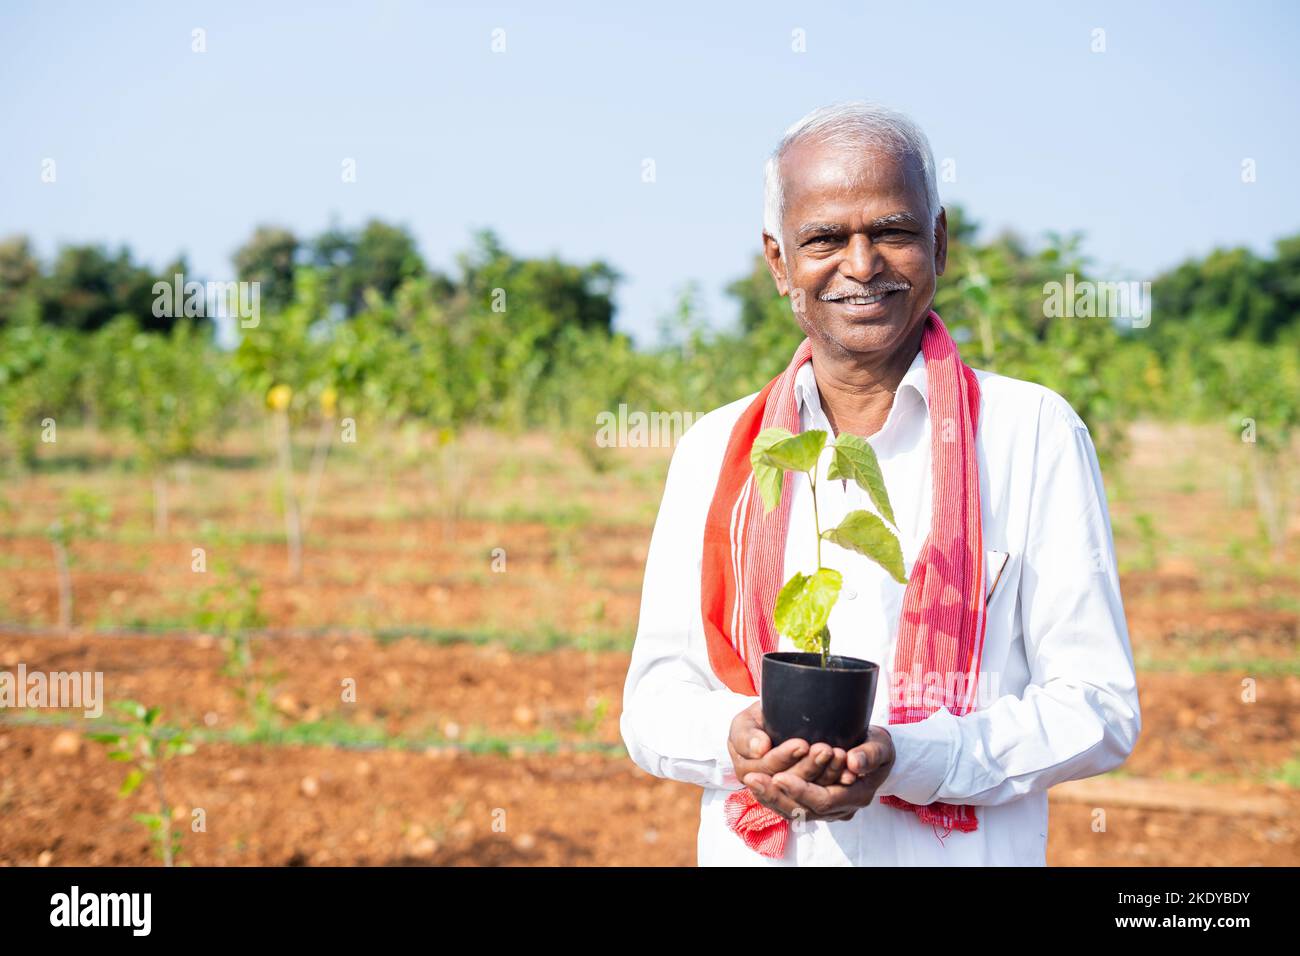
x,y
540,641
1287,773
341,734
1197,664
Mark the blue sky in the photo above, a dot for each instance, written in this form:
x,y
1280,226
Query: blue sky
x,y
1140,147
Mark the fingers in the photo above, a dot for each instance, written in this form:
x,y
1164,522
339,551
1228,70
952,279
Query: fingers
x,y
793,795
773,761
823,764
789,754
800,792
774,797
835,768
869,756
748,737
825,803
754,744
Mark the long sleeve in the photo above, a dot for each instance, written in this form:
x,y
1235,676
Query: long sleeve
x,y
1079,714
676,714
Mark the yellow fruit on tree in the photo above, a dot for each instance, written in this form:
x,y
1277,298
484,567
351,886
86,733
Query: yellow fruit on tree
x,y
278,397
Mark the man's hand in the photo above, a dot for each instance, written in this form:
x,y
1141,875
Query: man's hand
x,y
794,795
753,755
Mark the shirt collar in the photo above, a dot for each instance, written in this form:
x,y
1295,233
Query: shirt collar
x,y
808,397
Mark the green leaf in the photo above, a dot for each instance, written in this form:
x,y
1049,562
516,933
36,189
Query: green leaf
x,y
104,738
814,643
767,476
130,708
856,460
798,452
804,604
151,715
122,755
133,780
865,533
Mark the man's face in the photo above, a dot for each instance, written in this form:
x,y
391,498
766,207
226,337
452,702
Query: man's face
x,y
856,225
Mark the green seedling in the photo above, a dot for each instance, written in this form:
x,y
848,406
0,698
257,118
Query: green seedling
x,y
1149,536
230,609
83,515
147,745
804,605
589,724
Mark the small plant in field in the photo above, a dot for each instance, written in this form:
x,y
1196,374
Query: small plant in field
x,y
804,605
147,745
254,682
297,506
83,515
1257,385
452,480
329,399
7,511
589,724
1149,537
230,609
439,456
277,400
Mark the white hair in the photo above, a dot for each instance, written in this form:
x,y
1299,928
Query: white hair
x,y
855,125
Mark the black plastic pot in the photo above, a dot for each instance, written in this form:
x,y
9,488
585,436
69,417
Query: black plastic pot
x,y
818,704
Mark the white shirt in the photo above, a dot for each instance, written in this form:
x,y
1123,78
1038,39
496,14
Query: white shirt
x,y
1058,697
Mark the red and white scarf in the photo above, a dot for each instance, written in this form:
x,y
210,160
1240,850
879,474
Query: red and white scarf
x,y
744,559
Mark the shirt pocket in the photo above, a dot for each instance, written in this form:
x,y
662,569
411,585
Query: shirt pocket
x,y
998,578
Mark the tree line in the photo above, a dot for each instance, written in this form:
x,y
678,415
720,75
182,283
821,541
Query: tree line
x,y
517,342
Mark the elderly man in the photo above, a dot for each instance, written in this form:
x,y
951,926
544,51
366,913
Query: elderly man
x,y
1005,534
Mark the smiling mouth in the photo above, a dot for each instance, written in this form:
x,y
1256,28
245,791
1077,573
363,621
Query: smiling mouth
x,y
861,299
864,306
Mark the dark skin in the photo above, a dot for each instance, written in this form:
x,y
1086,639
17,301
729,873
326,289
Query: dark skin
x,y
855,223
813,783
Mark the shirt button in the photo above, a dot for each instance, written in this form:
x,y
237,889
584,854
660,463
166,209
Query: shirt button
x,y
849,594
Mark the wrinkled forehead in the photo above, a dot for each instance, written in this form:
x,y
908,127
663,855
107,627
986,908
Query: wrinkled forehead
x,y
815,175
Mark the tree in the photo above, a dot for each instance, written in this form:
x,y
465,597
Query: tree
x,y
40,367
1230,294
172,392
88,286
269,258
508,319
581,296
379,258
20,272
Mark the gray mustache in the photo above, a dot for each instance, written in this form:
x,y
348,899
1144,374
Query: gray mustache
x,y
870,290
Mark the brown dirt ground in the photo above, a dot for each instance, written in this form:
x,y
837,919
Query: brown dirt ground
x,y
303,805
1191,723
312,806
408,577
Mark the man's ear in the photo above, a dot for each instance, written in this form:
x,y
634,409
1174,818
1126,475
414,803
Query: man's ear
x,y
941,242
775,264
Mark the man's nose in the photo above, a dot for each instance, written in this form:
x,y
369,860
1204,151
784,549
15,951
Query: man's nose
x,y
862,259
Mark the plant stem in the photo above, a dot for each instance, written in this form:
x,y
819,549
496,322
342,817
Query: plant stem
x,y
825,637
292,519
159,503
812,477
65,586
319,454
163,810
